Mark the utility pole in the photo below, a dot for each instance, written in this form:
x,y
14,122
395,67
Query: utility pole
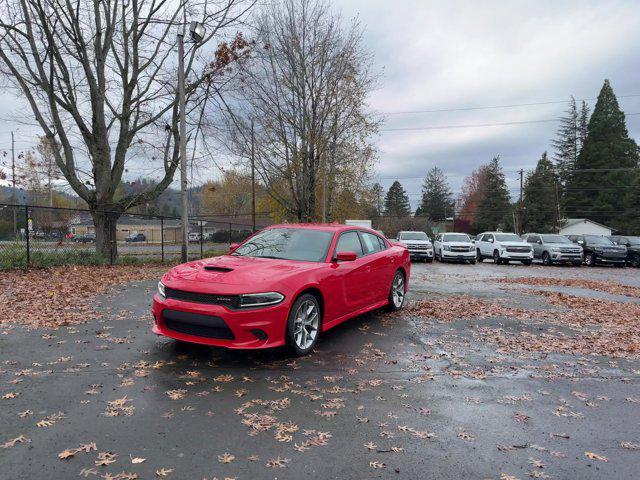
x,y
556,218
324,187
253,178
13,191
183,143
519,227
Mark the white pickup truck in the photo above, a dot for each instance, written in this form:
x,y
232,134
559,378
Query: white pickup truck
x,y
418,244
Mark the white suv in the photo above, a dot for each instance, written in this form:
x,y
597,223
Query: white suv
x,y
503,247
454,246
418,244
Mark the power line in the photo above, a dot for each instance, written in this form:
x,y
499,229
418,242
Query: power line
x,y
583,170
493,107
478,125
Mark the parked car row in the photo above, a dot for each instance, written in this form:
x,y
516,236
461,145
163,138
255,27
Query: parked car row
x,y
503,248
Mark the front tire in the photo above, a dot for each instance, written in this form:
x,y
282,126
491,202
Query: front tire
x,y
590,259
303,324
546,259
635,260
496,257
478,256
397,293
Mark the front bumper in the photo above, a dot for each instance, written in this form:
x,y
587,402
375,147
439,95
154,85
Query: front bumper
x,y
600,259
250,329
566,257
462,256
516,255
421,253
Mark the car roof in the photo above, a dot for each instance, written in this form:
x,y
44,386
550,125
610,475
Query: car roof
x,y
327,227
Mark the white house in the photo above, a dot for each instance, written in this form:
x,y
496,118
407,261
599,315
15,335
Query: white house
x,y
583,226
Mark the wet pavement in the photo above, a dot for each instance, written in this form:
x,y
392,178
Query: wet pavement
x,y
383,396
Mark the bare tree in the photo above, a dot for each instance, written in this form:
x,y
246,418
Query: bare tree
x,y
305,88
100,79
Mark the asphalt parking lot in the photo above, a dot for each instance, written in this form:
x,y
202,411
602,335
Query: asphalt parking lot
x,y
492,372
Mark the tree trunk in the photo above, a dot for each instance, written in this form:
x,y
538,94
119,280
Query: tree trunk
x,y
105,223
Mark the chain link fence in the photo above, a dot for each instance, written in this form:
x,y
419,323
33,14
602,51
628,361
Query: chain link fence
x,y
36,236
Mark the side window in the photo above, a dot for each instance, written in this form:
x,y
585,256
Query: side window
x,y
349,242
488,237
383,244
370,242
533,238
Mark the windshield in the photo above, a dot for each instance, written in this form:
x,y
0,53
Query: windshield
x,y
455,238
508,237
413,236
632,240
555,239
597,240
288,244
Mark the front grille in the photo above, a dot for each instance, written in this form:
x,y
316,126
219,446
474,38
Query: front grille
x,y
570,251
614,254
461,249
197,324
418,247
231,301
518,249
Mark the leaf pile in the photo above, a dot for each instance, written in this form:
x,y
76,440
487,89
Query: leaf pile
x,y
606,287
61,296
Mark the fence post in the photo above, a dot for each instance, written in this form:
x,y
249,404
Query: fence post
x,y
201,239
162,239
26,229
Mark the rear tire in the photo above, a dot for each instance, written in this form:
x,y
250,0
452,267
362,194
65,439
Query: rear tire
x,y
397,293
303,325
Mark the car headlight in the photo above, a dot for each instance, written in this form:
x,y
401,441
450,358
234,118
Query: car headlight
x,y
249,300
161,293
446,247
555,249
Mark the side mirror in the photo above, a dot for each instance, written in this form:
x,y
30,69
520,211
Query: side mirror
x,y
233,246
539,242
581,242
490,240
346,256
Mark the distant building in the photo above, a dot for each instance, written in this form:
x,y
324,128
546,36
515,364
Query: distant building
x,y
127,225
583,226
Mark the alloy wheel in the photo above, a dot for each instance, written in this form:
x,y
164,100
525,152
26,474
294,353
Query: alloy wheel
x,y
496,258
397,290
305,324
546,259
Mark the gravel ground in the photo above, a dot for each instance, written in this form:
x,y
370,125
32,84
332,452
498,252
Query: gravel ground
x,y
384,396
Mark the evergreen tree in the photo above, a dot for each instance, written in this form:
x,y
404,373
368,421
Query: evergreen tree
x,y
494,209
539,202
610,161
570,137
437,198
378,198
396,202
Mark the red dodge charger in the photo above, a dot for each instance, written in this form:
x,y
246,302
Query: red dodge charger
x,y
282,286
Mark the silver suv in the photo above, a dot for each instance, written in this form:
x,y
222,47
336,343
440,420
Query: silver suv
x,y
552,248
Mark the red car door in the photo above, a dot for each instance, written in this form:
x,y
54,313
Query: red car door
x,y
349,281
379,267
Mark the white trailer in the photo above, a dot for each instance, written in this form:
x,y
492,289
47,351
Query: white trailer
x,y
359,223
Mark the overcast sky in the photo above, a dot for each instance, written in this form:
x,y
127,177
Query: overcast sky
x,y
457,55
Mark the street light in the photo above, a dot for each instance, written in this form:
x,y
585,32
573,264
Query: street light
x,y
197,32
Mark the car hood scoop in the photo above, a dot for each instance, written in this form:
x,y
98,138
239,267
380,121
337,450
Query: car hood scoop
x,y
214,268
